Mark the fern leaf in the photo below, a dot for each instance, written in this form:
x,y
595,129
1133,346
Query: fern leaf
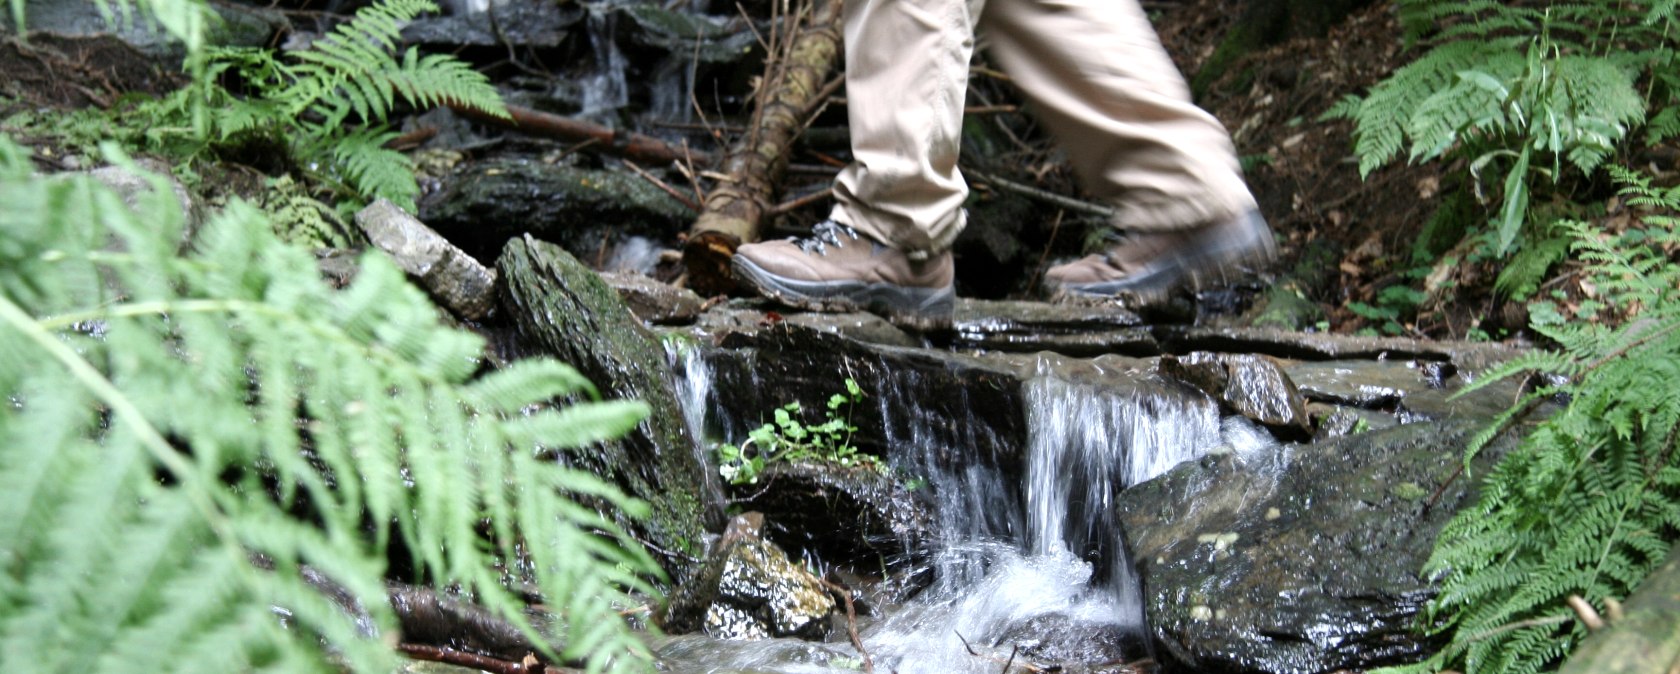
x,y
296,416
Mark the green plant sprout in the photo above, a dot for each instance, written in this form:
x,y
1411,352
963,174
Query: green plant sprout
x,y
788,439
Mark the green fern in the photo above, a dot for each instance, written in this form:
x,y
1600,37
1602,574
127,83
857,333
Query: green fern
x,y
332,100
1519,91
302,221
1590,502
183,433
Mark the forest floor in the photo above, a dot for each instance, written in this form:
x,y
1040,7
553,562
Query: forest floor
x,y
1345,238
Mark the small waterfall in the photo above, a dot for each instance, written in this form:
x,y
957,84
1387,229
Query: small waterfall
x,y
974,500
1087,444
604,91
1037,549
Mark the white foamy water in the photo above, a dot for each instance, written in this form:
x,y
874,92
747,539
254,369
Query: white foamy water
x,y
1046,546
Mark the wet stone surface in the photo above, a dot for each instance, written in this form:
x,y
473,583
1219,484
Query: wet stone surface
x,y
1302,558
749,589
849,516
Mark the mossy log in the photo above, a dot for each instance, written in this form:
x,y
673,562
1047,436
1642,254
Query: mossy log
x,y
735,210
1646,640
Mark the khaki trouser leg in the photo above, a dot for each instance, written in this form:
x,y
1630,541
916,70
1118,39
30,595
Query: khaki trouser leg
x,y
1094,71
906,78
1099,79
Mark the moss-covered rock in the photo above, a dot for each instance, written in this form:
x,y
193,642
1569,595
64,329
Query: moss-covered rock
x,y
567,310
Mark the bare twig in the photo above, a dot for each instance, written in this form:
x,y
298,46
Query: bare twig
x,y
1068,203
690,203
450,656
845,594
623,143
1055,225
796,204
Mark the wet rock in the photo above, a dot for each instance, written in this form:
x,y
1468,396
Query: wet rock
x,y
749,589
458,282
130,185
748,317
687,33
941,398
1418,389
1465,356
505,25
1304,560
1335,421
849,516
1039,326
1253,386
1065,641
655,302
564,308
481,206
239,26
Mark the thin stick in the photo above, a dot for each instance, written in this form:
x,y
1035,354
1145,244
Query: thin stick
x,y
796,204
450,656
1588,615
851,621
663,187
1069,203
1055,225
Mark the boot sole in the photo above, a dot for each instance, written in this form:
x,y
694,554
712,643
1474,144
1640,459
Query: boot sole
x,y
923,309
1202,267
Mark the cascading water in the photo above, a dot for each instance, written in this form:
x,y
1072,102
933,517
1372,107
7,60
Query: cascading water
x,y
604,90
1016,555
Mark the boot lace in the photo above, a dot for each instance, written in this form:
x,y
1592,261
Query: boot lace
x,y
824,234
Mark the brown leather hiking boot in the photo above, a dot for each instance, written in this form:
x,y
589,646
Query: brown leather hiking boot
x,y
1148,267
836,269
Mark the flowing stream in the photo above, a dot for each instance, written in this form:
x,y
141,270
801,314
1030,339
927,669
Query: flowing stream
x,y
1041,556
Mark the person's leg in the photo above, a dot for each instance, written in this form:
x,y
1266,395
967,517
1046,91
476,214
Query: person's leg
x,y
906,79
1096,74
898,205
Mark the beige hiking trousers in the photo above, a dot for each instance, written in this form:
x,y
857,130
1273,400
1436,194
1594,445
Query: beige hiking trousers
x,y
1093,71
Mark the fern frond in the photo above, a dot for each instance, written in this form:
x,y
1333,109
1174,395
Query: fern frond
x,y
188,433
374,170
1590,502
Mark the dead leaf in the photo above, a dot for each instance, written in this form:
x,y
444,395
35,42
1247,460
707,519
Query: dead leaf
x,y
1428,187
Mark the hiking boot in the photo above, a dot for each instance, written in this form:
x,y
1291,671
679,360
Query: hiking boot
x,y
836,269
1147,267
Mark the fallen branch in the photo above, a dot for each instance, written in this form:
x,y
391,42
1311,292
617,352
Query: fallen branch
x,y
1642,637
845,594
679,196
449,656
1051,198
736,209
623,143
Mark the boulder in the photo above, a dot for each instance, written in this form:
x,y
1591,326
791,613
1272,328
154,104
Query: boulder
x,y
458,282
1303,558
749,589
568,312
